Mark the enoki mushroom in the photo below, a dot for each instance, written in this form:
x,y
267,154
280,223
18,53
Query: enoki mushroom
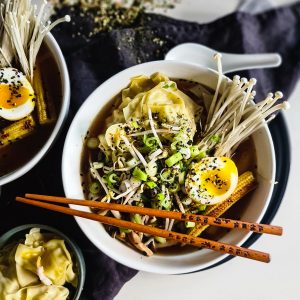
x,y
233,116
22,30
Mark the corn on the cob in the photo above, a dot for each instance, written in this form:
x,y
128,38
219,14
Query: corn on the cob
x,y
246,184
17,130
45,110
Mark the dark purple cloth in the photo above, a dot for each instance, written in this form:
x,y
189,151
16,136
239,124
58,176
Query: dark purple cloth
x,y
92,62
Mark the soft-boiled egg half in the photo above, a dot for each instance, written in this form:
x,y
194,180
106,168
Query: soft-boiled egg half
x,y
212,180
17,97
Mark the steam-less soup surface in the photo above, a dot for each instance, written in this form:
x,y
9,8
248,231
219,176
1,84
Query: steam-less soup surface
x,y
17,153
244,157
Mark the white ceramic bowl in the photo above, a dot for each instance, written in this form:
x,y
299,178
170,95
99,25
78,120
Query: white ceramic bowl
x,y
164,264
65,103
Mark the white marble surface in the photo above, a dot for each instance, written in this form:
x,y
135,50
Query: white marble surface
x,y
239,278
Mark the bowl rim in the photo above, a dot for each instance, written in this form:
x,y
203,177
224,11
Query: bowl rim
x,y
83,224
65,103
6,237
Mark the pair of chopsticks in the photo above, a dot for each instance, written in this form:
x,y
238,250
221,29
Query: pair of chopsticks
x,y
41,201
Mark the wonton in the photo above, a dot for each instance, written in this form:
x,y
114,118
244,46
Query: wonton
x,y
37,269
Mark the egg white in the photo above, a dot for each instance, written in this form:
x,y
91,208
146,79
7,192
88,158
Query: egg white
x,y
12,76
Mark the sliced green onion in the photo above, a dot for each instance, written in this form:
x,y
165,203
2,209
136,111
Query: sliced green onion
x,y
151,184
94,188
136,218
181,166
163,201
199,156
166,204
151,142
186,152
174,146
169,85
125,230
166,176
104,178
139,174
144,138
178,166
172,160
151,169
92,143
160,240
194,151
189,224
181,177
160,196
112,179
174,187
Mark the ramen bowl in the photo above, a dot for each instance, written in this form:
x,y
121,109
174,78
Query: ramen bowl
x,y
166,263
46,138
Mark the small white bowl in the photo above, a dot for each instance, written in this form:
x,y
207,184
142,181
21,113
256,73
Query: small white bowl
x,y
163,264
64,108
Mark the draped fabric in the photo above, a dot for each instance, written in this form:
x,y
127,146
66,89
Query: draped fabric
x,y
92,62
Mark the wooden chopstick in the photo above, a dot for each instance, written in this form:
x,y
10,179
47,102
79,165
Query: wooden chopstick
x,y
179,237
205,220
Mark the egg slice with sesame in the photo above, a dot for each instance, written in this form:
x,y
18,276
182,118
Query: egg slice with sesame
x,y
212,180
17,97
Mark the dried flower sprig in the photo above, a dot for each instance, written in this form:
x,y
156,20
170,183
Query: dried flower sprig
x,y
22,30
97,16
232,117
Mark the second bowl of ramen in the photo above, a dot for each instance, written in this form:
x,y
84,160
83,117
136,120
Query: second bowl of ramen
x,y
24,140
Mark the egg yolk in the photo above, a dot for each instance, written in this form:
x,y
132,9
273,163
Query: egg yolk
x,y
215,183
12,96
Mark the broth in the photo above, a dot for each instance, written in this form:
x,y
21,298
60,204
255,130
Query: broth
x,y
15,155
244,158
